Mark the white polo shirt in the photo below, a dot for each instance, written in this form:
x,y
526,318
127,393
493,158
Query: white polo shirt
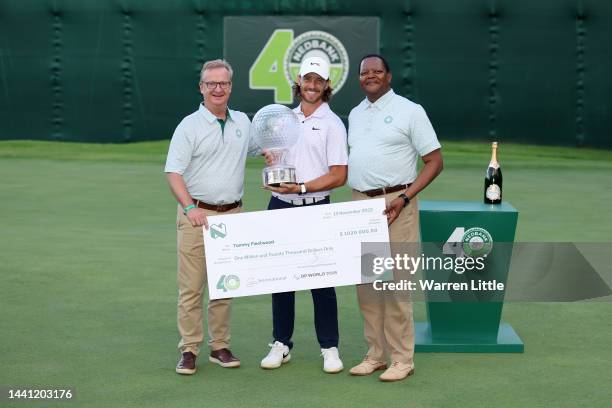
x,y
386,139
322,143
211,160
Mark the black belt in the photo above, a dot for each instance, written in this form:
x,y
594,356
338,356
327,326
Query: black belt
x,y
385,190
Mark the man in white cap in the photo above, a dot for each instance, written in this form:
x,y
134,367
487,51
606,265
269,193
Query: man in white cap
x,y
320,158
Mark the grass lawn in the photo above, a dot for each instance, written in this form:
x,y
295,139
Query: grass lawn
x,y
88,294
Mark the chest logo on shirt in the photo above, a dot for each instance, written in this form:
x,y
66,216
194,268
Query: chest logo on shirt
x,y
315,128
238,133
388,119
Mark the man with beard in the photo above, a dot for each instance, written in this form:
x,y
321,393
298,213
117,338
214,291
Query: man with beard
x,y
320,159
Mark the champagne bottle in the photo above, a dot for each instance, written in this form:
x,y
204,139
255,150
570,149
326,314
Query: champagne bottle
x,y
493,179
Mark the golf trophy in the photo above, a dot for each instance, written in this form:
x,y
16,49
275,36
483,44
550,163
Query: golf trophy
x,y
275,128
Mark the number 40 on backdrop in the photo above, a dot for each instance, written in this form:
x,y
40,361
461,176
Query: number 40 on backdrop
x,y
266,53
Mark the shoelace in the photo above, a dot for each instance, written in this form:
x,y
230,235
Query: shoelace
x,y
396,364
369,360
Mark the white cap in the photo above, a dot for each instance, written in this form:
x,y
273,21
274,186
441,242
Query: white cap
x,y
317,65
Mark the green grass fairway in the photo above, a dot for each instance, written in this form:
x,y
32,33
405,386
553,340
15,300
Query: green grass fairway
x,y
88,294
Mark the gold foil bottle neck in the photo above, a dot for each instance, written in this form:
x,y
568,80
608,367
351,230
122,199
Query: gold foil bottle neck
x,y
494,163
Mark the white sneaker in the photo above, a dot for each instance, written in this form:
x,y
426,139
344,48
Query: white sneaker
x,y
331,360
279,354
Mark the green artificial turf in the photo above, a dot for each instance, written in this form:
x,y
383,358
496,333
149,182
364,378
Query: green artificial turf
x,y
88,294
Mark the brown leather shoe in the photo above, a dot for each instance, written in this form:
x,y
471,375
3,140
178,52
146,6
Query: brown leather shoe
x,y
224,358
187,364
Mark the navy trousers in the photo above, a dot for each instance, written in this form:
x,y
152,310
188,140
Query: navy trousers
x,y
324,300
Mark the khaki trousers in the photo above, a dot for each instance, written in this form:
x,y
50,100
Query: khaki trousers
x,y
388,321
192,282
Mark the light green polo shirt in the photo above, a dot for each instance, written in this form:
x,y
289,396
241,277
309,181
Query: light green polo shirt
x,y
210,156
386,139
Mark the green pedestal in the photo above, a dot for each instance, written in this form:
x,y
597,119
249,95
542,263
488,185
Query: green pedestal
x,y
467,321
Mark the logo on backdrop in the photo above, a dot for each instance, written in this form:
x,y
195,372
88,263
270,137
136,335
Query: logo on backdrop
x,y
278,63
318,44
473,243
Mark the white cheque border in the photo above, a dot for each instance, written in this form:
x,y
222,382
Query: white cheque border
x,y
291,249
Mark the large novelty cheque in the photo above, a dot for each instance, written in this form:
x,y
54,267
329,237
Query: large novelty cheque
x,y
292,249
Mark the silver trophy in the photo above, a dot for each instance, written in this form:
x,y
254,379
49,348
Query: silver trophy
x,y
276,128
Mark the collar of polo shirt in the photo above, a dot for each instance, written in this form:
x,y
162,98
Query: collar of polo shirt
x,y
209,115
320,112
381,102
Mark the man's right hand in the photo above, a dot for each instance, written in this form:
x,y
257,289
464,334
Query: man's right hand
x,y
197,217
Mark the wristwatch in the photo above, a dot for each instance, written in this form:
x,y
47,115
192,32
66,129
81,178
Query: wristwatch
x,y
405,198
302,189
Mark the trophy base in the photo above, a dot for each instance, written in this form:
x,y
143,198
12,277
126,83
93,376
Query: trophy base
x,y
275,175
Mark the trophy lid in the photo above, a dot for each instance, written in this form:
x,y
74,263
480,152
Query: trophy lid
x,y
275,127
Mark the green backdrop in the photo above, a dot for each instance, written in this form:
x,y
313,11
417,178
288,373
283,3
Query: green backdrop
x,y
112,71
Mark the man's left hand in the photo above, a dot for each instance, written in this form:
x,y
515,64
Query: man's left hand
x,y
393,210
284,188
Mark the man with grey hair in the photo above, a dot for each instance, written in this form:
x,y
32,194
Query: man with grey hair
x,y
205,170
